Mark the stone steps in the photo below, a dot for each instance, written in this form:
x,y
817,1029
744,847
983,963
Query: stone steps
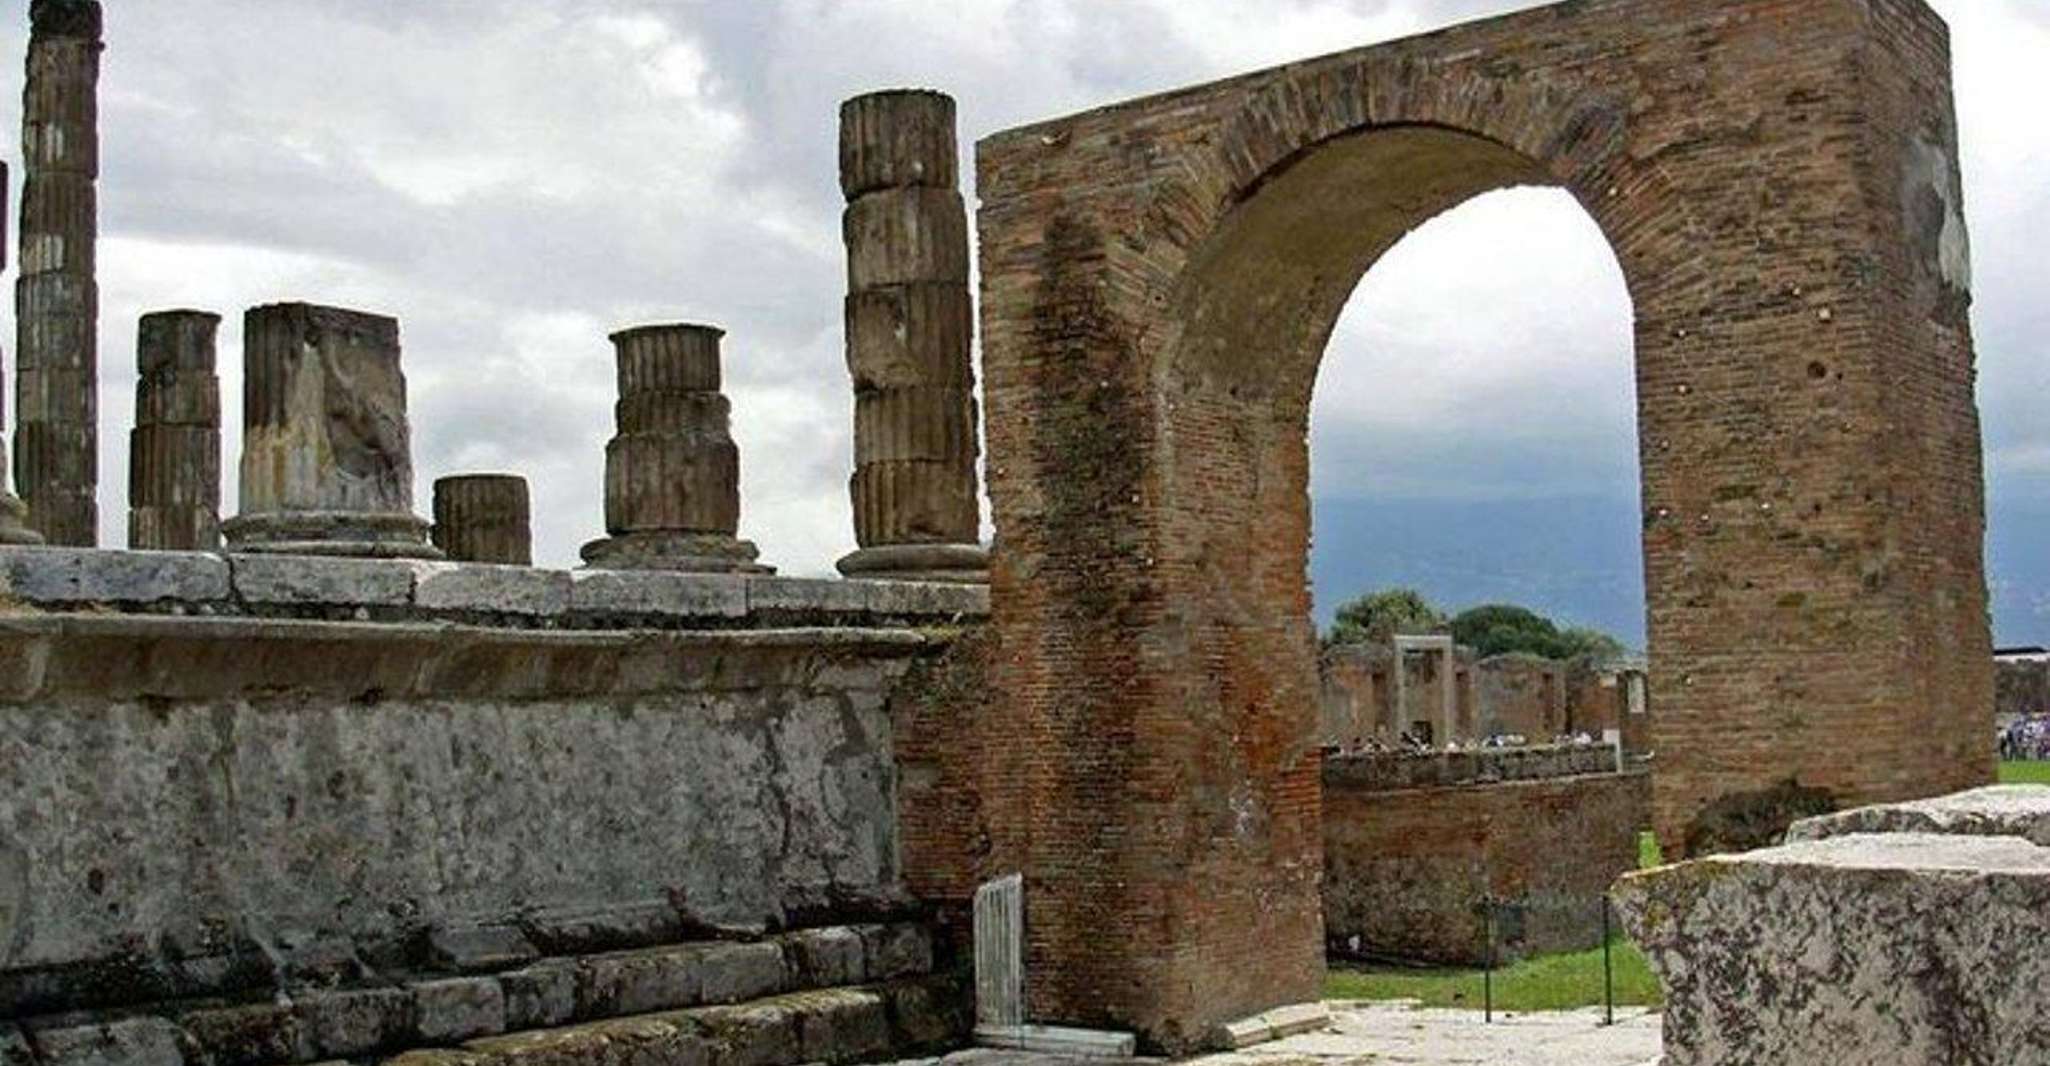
x,y
862,1023
872,984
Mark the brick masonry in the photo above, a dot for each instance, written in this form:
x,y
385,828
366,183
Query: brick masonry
x,y
1778,179
1407,868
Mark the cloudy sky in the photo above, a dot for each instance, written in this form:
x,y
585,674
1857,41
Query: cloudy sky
x,y
516,178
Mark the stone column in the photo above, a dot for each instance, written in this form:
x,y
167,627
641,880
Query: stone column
x,y
672,474
13,513
484,518
56,438
909,327
174,452
327,464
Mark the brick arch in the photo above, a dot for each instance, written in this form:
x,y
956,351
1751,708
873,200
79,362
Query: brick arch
x,y
1158,282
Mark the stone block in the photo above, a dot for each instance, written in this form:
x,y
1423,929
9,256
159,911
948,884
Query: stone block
x,y
1907,949
684,597
753,1034
484,589
897,950
823,958
639,982
480,949
459,1008
255,1034
927,600
315,581
541,995
358,1022
128,1042
14,1047
78,575
805,596
929,1015
841,1024
735,973
1999,810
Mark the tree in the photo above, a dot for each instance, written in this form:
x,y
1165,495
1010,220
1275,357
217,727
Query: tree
x,y
1503,629
1378,616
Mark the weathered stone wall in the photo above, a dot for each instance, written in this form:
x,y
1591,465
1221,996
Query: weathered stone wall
x,y
1414,846
1521,694
207,782
1159,279
2021,686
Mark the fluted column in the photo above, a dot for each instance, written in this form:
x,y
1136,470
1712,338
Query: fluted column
x,y
56,436
14,529
174,451
909,330
327,463
672,474
484,518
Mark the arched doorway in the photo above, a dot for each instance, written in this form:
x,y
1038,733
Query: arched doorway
x,y
1159,282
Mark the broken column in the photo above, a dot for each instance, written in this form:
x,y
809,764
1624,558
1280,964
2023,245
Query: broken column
x,y
13,513
484,518
909,327
327,465
56,438
174,451
672,474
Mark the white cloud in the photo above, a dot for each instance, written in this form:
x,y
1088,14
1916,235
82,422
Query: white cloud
x,y
516,178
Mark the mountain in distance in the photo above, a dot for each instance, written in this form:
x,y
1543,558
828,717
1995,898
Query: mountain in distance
x,y
1578,560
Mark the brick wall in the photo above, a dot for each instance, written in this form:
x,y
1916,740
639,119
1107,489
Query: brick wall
x,y
1778,180
1406,869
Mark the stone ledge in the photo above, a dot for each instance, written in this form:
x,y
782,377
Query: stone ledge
x,y
2000,810
1905,948
398,590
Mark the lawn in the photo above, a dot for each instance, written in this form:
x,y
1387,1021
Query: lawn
x,y
1555,982
2025,773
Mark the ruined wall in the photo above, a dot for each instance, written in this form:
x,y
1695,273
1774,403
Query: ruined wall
x,y
1160,277
1521,694
1414,844
2021,686
208,784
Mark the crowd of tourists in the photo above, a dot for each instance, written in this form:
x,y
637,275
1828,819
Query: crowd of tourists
x,y
2026,739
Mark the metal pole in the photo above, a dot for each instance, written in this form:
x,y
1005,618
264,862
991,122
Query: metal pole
x,y
1608,973
1488,969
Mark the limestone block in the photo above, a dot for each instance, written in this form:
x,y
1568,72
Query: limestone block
x,y
255,1034
613,592
897,950
484,518
477,587
910,335
640,982
459,1008
898,138
808,596
1901,949
925,423
129,1042
903,236
927,599
14,1047
480,949
82,575
842,1024
755,1034
540,995
359,1021
295,580
1999,810
735,973
823,958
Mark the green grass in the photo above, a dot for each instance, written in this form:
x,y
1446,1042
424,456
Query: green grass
x,y
1555,982
2025,773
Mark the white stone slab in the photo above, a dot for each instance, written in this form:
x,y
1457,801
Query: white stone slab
x,y
308,580
1055,1040
484,589
654,592
88,575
